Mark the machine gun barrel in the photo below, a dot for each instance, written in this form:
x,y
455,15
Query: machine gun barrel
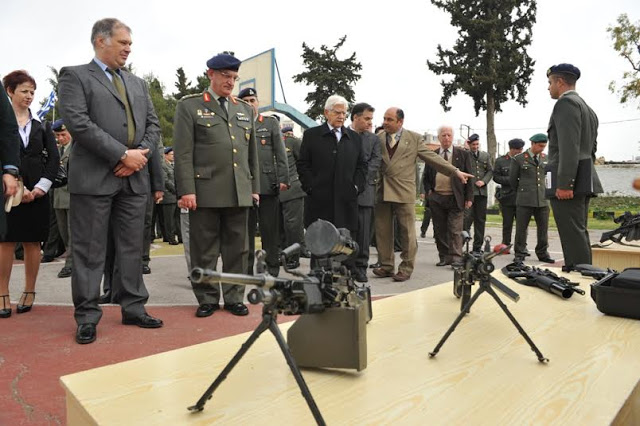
x,y
210,277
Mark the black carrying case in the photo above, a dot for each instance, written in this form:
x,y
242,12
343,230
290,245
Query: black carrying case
x,y
618,294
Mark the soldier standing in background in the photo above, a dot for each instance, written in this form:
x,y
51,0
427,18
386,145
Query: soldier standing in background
x,y
505,195
482,169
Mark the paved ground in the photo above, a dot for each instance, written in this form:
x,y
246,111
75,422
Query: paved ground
x,y
38,347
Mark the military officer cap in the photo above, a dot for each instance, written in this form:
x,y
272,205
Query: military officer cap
x,y
58,125
516,143
564,69
249,91
474,137
168,149
539,138
287,129
224,61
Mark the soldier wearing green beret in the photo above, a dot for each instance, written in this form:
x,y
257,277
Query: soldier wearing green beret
x,y
573,131
216,170
526,177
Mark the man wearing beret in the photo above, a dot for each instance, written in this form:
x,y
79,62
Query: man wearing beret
x,y
505,194
526,177
573,132
482,169
169,200
216,169
61,199
274,179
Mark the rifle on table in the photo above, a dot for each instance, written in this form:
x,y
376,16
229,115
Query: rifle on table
x,y
629,229
542,278
589,270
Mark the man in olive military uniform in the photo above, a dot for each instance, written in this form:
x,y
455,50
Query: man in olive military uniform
x,y
482,169
292,200
168,204
573,133
61,199
274,179
505,195
527,180
216,170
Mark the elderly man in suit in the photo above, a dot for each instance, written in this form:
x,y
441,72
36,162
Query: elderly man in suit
x,y
573,133
448,198
361,123
401,149
109,113
482,169
332,169
61,198
217,179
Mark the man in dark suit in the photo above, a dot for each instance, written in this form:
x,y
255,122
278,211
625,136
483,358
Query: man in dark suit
x,y
361,123
332,169
217,179
573,133
109,113
448,198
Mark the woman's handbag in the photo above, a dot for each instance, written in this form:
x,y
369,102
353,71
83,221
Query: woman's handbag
x,y
14,200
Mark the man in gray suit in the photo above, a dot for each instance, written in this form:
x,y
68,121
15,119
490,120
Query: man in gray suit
x,y
109,113
361,123
61,197
573,133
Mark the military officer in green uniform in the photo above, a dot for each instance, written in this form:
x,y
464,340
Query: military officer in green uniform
x,y
292,200
573,132
274,179
527,176
505,195
482,169
216,170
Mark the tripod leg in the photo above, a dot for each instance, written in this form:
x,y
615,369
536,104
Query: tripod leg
x,y
463,312
273,326
262,327
515,322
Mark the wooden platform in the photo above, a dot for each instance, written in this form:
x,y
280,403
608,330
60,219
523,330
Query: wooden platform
x,y
616,256
485,374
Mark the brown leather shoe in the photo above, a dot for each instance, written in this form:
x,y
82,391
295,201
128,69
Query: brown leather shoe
x,y
382,273
401,276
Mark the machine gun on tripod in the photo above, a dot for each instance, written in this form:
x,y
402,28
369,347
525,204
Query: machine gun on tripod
x,y
542,278
334,310
629,229
474,268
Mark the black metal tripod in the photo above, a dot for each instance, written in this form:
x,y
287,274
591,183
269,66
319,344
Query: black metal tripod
x,y
269,316
485,286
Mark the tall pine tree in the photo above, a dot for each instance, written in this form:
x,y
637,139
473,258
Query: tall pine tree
x,y
329,75
489,61
626,41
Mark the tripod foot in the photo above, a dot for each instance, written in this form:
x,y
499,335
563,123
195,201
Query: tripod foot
x,y
196,408
432,354
543,360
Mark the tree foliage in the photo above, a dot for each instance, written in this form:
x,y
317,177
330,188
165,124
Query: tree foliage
x,y
626,41
489,61
328,74
165,107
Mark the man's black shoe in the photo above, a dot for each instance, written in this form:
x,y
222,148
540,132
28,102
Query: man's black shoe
x,y
443,263
146,270
86,333
306,254
238,309
294,264
144,321
375,265
65,272
47,258
361,277
567,268
206,310
423,234
547,260
105,299
173,243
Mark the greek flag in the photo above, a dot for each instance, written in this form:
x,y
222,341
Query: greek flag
x,y
51,101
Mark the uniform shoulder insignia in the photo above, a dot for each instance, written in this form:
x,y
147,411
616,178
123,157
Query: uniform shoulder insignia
x,y
195,95
241,101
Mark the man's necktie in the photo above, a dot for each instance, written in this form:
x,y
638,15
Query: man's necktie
x,y
446,155
335,133
61,150
131,126
535,160
392,140
222,101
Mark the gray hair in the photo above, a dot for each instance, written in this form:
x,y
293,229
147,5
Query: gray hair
x,y
104,28
445,126
334,100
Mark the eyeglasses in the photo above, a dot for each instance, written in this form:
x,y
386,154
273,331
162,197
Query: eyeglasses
x,y
344,113
228,76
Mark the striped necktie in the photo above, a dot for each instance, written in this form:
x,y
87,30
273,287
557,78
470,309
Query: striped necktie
x,y
131,125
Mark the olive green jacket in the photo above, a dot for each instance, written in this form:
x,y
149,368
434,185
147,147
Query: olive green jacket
x,y
482,169
292,147
215,157
271,154
527,179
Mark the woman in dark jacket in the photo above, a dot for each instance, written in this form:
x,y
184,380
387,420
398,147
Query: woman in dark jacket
x,y
28,222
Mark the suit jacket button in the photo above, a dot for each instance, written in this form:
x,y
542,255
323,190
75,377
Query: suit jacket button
x,y
208,124
197,176
229,124
235,151
235,164
233,137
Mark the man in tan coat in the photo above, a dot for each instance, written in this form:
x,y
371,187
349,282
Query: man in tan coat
x,y
397,192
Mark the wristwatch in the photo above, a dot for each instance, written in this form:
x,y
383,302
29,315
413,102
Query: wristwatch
x,y
124,156
11,171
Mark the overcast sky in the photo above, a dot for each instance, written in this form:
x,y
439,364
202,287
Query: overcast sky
x,y
392,40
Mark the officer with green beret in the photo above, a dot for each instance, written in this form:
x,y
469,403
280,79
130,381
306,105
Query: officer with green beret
x,y
526,177
217,179
573,131
505,194
482,169
274,179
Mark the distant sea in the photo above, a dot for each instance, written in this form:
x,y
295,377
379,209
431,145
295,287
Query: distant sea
x,y
616,179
